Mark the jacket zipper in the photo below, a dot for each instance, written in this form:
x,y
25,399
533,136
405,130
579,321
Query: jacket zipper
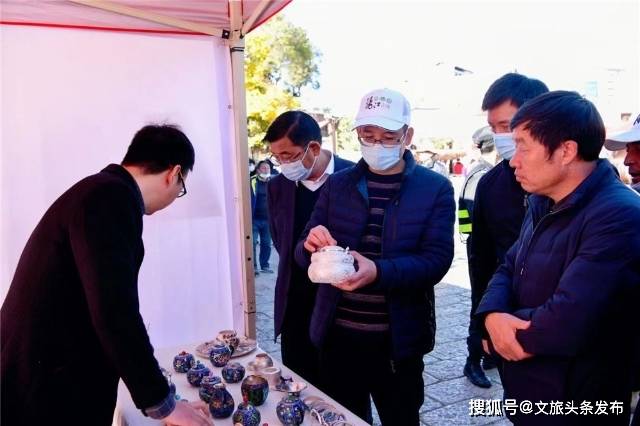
x,y
524,260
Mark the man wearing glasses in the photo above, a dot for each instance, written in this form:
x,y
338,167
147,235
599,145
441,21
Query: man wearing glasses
x,y
295,142
374,327
71,327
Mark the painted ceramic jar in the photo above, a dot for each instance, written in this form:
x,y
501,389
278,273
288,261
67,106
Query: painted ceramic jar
x,y
233,372
229,338
183,362
255,390
196,373
330,264
246,415
290,409
221,404
220,355
206,387
262,361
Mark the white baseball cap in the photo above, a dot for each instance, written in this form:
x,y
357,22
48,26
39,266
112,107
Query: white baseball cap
x,y
384,108
620,140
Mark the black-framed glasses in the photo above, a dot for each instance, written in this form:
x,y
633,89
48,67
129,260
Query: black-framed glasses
x,y
183,191
278,161
390,142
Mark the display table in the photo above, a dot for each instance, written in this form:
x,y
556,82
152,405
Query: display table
x,y
126,414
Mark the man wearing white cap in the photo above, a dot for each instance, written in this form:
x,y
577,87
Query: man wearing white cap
x,y
374,327
629,140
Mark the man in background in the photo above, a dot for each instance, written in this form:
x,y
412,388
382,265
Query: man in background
x,y
498,209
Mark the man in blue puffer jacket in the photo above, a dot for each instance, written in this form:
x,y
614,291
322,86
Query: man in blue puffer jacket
x,y
374,327
561,310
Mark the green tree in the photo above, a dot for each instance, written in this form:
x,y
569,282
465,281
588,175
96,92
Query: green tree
x,y
280,61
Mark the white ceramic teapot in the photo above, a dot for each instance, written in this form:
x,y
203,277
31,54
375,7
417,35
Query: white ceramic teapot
x,y
330,264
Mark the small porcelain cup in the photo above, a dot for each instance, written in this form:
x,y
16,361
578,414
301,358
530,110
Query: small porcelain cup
x,y
272,374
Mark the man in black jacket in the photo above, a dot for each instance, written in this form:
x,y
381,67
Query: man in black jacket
x,y
295,142
71,326
498,208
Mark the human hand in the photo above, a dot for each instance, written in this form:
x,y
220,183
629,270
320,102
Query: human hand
x,y
502,329
318,237
189,414
366,274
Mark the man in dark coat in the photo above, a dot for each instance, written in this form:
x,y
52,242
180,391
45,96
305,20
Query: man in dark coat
x,y
71,326
374,327
498,209
295,142
561,310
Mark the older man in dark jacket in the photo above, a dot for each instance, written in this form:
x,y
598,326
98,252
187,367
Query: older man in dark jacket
x,y
374,327
561,309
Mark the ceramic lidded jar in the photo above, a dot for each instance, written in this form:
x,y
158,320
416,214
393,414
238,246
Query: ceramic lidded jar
x,y
183,362
290,409
330,264
229,338
221,404
255,390
207,386
220,354
246,415
233,372
196,373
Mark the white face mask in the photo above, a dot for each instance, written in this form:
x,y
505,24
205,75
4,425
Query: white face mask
x,y
380,158
265,176
296,171
505,145
252,167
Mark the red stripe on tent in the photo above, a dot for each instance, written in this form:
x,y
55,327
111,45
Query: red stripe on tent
x,y
275,12
90,27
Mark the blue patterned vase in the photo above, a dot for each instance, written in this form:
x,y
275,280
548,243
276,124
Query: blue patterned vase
x,y
206,387
233,372
183,362
290,409
221,404
195,374
246,415
255,390
220,355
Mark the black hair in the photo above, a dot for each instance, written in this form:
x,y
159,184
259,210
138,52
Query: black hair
x,y
559,116
512,87
261,162
298,126
155,148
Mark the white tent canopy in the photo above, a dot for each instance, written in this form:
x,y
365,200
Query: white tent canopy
x,y
78,80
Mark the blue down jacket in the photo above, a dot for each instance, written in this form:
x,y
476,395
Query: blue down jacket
x,y
574,272
417,249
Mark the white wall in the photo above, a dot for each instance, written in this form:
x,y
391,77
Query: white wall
x,y
71,102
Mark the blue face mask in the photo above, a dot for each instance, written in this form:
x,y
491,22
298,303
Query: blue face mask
x,y
505,145
379,157
296,171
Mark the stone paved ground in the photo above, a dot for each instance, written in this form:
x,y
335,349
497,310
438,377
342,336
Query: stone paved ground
x,y
447,391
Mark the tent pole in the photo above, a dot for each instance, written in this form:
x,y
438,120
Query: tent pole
x,y
242,167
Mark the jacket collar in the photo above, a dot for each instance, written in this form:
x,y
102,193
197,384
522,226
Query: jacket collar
x,y
125,176
603,172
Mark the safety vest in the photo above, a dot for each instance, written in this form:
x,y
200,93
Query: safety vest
x,y
467,196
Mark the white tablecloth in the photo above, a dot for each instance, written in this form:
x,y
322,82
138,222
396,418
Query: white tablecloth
x,y
127,414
